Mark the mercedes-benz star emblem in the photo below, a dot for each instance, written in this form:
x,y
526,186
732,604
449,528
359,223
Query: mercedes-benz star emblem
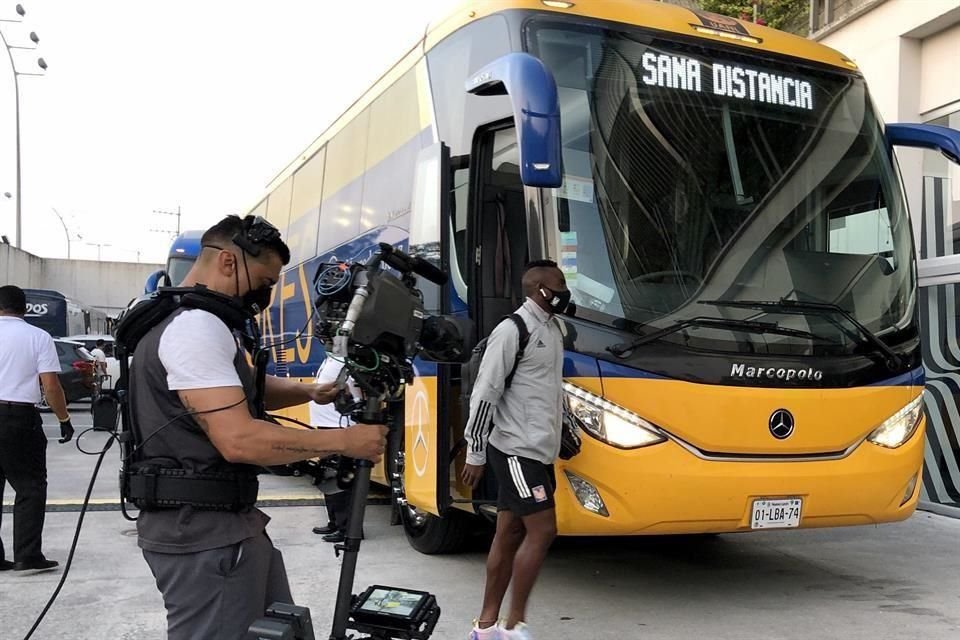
x,y
782,424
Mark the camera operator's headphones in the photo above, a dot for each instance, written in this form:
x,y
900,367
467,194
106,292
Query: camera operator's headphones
x,y
256,234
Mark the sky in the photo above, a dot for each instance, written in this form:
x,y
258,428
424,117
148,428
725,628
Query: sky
x,y
148,105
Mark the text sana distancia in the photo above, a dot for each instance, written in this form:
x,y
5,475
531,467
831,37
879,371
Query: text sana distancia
x,y
732,81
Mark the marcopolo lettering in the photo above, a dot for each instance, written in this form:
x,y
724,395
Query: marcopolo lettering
x,y
787,374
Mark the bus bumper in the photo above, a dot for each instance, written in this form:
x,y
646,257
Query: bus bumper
x,y
665,489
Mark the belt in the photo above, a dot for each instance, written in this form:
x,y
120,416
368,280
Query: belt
x,y
5,403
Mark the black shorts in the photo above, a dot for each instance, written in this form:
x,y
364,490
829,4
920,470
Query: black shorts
x,y
525,486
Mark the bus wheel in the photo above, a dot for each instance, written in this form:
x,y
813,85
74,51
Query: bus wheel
x,y
426,532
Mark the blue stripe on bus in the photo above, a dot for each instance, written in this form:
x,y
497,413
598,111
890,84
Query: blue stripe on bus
x,y
577,365
913,378
425,368
612,370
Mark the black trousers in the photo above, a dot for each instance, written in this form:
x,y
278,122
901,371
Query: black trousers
x,y
23,463
338,508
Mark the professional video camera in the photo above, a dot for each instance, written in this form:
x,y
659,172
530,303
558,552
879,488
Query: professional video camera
x,y
374,322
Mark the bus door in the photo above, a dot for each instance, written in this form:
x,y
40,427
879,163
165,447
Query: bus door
x,y
500,244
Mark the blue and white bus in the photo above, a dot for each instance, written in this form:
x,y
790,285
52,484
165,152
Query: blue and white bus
x,y
183,253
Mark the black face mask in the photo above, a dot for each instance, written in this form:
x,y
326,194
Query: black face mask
x,y
557,300
254,301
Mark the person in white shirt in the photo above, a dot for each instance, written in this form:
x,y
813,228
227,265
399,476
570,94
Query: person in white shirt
x,y
100,359
27,354
191,387
336,499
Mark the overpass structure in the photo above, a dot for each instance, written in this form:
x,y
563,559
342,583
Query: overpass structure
x,y
107,286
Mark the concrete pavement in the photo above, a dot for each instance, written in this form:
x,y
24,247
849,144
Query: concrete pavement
x,y
885,583
69,470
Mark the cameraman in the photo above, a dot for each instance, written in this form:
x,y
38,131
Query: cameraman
x,y
216,568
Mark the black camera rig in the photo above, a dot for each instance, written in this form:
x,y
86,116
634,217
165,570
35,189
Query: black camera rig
x,y
374,321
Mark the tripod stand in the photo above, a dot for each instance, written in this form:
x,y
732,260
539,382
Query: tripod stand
x,y
365,613
351,549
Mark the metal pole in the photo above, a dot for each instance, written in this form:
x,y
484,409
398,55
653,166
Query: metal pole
x,y
16,93
351,549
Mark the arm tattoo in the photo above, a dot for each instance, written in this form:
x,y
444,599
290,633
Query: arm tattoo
x,y
295,448
197,415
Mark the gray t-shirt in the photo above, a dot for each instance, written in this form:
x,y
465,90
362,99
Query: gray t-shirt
x,y
192,349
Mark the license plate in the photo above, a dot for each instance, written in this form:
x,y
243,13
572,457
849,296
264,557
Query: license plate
x,y
776,514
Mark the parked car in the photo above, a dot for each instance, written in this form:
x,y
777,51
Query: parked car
x,y
90,342
76,371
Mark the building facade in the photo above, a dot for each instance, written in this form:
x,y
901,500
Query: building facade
x,y
909,51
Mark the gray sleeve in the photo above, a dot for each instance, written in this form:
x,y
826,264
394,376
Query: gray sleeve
x,y
498,359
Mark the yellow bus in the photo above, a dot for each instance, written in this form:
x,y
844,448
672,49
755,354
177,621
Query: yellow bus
x,y
725,203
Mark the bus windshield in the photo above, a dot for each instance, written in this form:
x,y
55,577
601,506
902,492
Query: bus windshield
x,y
695,172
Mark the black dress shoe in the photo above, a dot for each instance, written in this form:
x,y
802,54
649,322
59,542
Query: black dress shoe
x,y
323,531
340,536
5,565
36,565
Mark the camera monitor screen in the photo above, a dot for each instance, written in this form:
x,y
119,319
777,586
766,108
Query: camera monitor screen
x,y
392,602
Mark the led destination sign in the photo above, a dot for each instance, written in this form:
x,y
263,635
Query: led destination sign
x,y
732,81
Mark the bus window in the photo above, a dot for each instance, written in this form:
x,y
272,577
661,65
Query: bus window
x,y
460,262
502,232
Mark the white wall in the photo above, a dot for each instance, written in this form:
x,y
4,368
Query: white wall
x,y
909,52
940,69
108,286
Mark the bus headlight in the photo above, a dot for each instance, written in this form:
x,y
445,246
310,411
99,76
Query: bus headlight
x,y
898,428
609,422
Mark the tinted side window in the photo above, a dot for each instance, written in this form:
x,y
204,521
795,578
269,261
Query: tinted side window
x,y
450,63
343,184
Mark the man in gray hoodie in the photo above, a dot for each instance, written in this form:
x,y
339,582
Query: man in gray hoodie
x,y
515,427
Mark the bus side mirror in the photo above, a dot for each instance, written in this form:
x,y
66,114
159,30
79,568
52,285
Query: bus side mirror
x,y
536,112
155,280
926,136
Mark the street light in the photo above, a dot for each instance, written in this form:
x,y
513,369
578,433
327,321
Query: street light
x,y
65,230
16,91
98,245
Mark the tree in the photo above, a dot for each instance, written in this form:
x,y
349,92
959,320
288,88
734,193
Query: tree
x,y
787,15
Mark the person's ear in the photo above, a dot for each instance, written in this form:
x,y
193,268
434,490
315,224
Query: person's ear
x,y
226,262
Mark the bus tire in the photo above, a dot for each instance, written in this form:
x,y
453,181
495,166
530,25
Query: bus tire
x,y
432,535
426,532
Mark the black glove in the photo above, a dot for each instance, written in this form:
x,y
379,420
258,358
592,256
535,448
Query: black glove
x,y
66,431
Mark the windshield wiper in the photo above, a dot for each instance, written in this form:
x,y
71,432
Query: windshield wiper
x,y
867,337
731,324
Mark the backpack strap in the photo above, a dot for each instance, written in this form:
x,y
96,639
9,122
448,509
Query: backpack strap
x,y
524,339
